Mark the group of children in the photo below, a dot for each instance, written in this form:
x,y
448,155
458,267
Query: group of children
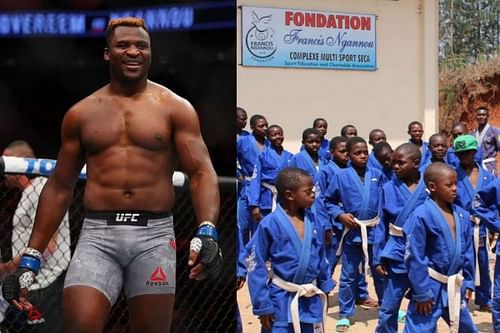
x,y
416,217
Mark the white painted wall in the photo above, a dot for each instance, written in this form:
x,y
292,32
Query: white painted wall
x,y
403,88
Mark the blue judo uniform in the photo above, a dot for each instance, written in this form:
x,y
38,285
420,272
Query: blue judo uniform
x,y
397,203
489,213
374,163
425,153
241,272
347,194
325,177
467,198
292,259
323,151
247,152
238,168
431,244
452,158
305,162
269,164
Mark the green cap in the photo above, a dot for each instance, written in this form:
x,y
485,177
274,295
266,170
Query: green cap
x,y
464,143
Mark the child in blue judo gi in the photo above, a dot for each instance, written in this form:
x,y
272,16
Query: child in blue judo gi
x,y
292,296
488,210
374,137
333,229
438,147
308,158
399,198
382,152
439,257
348,131
457,130
321,125
416,132
248,149
262,193
472,177
353,199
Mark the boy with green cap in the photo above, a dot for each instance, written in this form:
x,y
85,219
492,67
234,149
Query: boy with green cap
x,y
472,177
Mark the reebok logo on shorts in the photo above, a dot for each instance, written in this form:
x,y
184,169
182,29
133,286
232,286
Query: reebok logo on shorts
x,y
158,278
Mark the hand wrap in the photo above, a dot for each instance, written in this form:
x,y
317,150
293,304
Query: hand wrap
x,y
23,277
210,253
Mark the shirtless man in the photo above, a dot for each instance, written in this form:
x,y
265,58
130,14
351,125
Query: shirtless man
x,y
131,133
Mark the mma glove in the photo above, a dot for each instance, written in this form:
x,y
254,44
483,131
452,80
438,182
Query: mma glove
x,y
24,276
205,243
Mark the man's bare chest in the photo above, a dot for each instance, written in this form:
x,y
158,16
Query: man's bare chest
x,y
126,125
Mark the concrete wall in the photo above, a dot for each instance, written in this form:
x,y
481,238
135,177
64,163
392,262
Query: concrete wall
x,y
403,88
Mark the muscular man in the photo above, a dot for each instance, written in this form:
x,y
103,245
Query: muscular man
x,y
131,133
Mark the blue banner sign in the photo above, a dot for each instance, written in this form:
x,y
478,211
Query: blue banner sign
x,y
93,23
274,37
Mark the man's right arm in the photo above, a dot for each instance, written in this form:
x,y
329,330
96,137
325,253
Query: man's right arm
x,y
58,192
52,206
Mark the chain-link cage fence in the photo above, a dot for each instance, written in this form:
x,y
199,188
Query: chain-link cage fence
x,y
200,306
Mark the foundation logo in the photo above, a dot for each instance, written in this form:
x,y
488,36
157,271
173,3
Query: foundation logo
x,y
158,278
260,38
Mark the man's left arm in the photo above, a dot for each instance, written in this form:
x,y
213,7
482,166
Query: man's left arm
x,y
203,184
195,162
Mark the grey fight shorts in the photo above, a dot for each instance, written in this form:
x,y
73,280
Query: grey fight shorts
x,y
133,249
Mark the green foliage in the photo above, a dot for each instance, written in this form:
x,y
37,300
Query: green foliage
x,y
469,31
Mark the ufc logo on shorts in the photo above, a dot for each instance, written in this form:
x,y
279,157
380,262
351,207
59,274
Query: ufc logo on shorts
x,y
124,217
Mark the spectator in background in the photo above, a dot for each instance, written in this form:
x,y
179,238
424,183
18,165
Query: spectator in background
x,y
46,293
487,137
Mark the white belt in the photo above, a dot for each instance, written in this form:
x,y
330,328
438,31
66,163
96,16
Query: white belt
x,y
454,284
489,160
363,224
274,191
249,178
476,221
395,231
301,290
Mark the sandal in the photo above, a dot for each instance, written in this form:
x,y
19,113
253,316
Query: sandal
x,y
343,325
368,303
401,316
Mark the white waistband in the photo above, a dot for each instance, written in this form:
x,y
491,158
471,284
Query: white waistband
x,y
395,231
368,223
274,191
301,290
270,187
363,225
454,284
